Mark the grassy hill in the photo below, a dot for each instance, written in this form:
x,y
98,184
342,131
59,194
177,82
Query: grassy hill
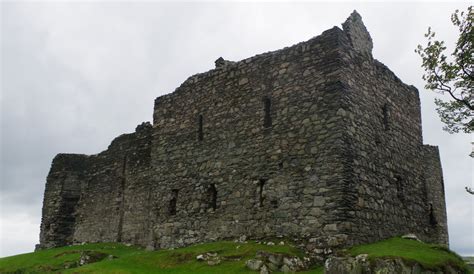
x,y
119,258
429,256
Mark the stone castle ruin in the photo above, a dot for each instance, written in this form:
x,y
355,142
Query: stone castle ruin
x,y
317,142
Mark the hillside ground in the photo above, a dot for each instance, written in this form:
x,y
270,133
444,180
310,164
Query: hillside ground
x,y
119,258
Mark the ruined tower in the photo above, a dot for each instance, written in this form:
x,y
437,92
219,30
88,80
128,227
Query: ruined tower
x,y
318,142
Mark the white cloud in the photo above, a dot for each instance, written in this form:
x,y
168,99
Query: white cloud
x,y
18,233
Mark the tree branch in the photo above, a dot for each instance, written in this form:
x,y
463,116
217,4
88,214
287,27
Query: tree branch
x,y
469,74
448,90
469,190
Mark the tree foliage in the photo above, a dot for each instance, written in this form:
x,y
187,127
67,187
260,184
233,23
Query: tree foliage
x,y
453,75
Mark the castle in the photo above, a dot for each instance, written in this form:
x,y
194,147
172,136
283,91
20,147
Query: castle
x,y
317,142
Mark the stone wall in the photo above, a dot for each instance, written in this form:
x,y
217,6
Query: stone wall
x,y
317,142
96,198
112,206
63,190
270,145
435,195
390,180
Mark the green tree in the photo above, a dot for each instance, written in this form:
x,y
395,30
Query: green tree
x,y
453,75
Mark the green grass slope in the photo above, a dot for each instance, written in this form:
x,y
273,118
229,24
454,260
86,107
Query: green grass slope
x,y
469,260
131,259
427,255
137,260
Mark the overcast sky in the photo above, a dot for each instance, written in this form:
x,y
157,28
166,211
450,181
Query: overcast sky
x,y
75,76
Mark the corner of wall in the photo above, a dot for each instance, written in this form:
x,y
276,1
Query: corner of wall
x,y
436,204
62,193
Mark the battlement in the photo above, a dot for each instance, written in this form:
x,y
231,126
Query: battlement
x,y
318,142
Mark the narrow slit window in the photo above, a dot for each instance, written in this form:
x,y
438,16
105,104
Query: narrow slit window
x,y
433,221
173,201
261,184
400,184
267,105
200,125
386,116
212,195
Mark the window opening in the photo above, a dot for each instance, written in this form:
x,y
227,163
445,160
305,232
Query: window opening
x,y
386,117
400,187
433,221
200,125
274,203
212,195
260,192
267,119
173,201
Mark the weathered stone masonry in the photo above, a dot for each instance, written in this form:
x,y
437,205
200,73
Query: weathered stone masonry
x,y
318,142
